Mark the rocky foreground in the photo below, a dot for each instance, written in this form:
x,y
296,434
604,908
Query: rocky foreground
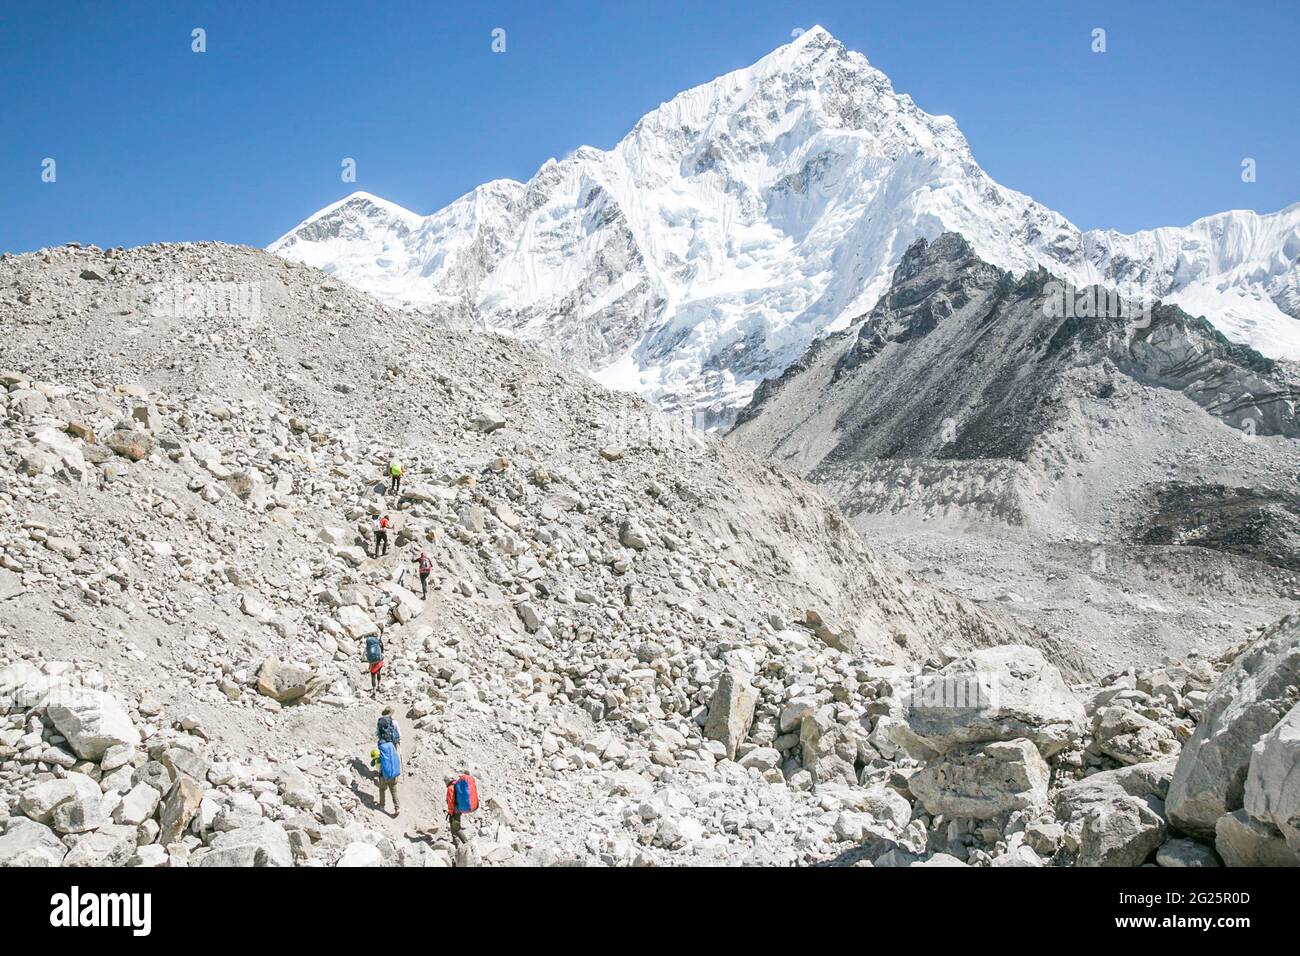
x,y
649,648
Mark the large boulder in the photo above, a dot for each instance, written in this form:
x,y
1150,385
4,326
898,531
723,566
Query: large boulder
x,y
284,681
980,781
357,624
998,693
1242,841
91,720
1117,818
27,843
361,854
1250,698
1273,781
110,845
731,709
265,843
40,801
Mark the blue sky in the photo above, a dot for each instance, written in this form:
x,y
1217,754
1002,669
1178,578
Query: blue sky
x,y
154,142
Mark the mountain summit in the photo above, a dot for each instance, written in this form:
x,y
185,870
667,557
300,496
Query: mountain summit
x,y
745,217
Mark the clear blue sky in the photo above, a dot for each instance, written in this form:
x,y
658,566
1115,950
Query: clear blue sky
x,y
154,142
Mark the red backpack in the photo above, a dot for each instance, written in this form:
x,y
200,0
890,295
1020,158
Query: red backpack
x,y
462,795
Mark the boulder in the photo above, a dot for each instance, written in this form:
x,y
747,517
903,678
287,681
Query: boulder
x,y
997,693
632,535
830,749
137,806
179,808
1241,841
883,804
1186,853
40,802
980,781
357,624
829,632
487,420
26,843
731,710
1130,738
1117,816
265,843
130,444
361,854
1250,698
110,845
91,720
1273,782
282,681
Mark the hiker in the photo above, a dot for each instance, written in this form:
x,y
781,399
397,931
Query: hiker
x,y
375,658
395,471
390,768
382,526
425,566
386,729
462,798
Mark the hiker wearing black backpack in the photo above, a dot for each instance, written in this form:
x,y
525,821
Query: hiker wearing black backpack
x,y
386,729
375,658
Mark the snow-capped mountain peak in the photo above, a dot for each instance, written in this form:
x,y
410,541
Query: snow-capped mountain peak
x,y
748,215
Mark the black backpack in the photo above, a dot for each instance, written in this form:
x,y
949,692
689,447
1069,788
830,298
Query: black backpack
x,y
387,730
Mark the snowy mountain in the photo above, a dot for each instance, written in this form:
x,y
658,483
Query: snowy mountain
x,y
744,218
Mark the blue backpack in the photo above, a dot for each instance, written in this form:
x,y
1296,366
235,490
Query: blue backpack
x,y
374,650
390,764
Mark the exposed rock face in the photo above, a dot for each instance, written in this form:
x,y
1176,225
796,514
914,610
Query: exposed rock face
x,y
1250,699
998,693
972,423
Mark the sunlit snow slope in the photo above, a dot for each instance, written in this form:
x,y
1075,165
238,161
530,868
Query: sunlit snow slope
x,y
743,218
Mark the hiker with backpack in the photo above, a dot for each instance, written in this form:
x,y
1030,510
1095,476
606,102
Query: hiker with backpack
x,y
462,798
386,729
390,768
382,526
425,567
395,472
375,658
